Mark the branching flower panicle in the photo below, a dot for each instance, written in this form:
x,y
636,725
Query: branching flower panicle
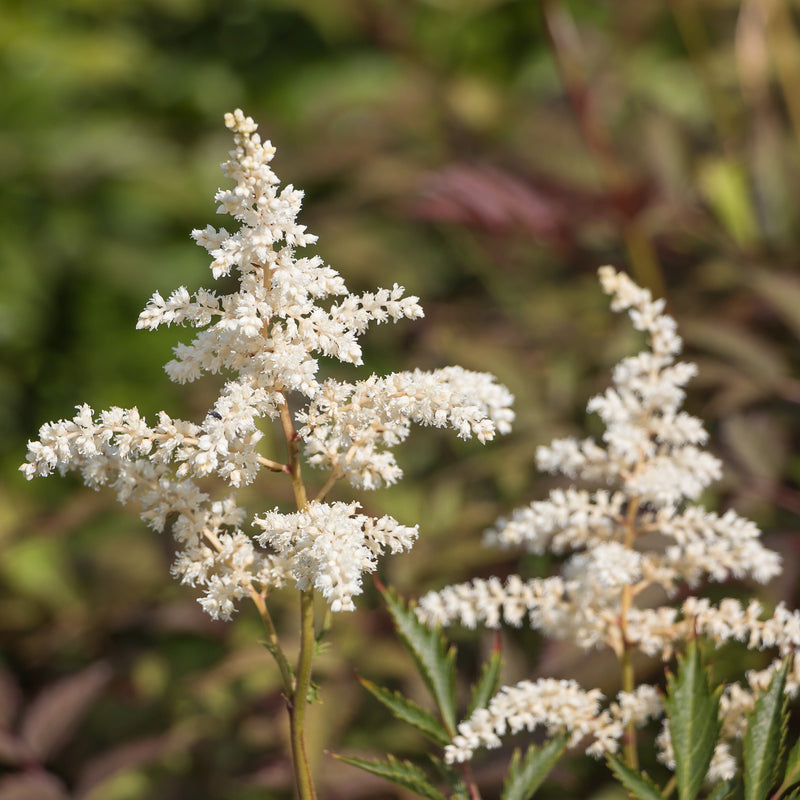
x,y
634,528
267,336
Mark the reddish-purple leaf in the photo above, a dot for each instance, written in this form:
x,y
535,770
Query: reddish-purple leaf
x,y
10,698
494,200
55,713
32,786
13,750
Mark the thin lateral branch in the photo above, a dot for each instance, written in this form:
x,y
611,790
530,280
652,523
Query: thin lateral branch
x,y
293,450
274,466
274,644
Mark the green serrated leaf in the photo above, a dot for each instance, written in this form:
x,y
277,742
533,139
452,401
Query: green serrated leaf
x,y
401,773
447,774
791,774
487,684
637,783
525,775
692,709
435,661
408,711
722,791
765,739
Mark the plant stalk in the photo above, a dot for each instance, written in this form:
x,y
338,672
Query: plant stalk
x,y
299,702
273,644
626,660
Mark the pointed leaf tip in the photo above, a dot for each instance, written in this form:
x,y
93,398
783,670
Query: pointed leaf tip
x,y
401,773
526,774
435,660
638,784
692,709
765,739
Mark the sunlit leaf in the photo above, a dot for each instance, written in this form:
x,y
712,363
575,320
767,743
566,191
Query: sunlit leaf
x,y
694,723
434,659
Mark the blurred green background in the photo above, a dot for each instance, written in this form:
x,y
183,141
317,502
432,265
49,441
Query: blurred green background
x,y
487,155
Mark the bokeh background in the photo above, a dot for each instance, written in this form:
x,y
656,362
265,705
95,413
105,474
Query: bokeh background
x,y
489,155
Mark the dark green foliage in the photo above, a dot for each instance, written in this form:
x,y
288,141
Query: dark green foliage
x,y
792,773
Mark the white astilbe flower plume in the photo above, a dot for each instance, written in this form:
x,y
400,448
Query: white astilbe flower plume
x,y
267,336
633,528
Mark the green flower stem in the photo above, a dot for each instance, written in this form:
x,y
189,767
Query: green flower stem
x,y
297,710
298,700
273,644
628,685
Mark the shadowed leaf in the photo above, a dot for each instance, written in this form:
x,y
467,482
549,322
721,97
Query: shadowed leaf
x,y
401,773
10,698
126,756
791,774
13,750
783,291
32,786
54,714
409,712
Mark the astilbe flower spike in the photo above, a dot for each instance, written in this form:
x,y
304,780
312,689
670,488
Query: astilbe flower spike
x,y
636,527
267,336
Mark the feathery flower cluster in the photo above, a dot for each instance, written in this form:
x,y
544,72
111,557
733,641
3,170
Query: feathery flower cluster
x,y
267,336
634,531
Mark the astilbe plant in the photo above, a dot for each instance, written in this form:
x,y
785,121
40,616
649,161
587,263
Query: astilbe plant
x,y
266,337
634,532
